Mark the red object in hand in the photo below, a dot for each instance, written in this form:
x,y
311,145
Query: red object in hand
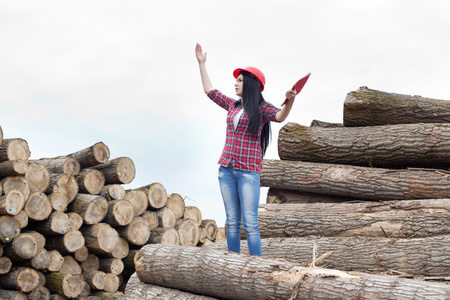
x,y
298,86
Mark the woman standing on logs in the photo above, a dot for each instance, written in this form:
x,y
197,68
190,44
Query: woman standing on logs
x,y
248,135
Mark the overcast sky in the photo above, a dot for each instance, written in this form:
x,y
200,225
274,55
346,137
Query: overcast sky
x,y
73,73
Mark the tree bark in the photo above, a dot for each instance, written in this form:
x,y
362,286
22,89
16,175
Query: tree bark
x,y
268,278
16,167
13,149
137,290
366,107
38,177
9,229
120,213
91,156
61,165
156,195
12,295
176,203
12,203
92,208
120,170
344,220
20,279
417,256
412,145
38,206
90,181
355,182
281,196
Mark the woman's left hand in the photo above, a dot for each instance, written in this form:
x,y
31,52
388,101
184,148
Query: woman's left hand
x,y
290,95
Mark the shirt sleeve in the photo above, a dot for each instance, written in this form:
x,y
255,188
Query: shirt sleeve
x,y
220,99
268,112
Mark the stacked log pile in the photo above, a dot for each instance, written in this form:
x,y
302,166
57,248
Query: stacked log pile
x,y
374,192
70,229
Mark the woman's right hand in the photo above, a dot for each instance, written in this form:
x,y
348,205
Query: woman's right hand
x,y
201,57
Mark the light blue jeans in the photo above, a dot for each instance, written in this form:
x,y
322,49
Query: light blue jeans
x,y
240,192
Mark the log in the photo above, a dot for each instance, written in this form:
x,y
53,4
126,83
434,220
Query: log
x,y
13,149
9,229
166,218
201,235
102,295
85,290
138,199
393,219
38,206
92,208
61,165
91,156
121,249
281,196
113,192
95,279
22,219
56,261
355,182
428,256
151,218
81,254
59,201
23,247
221,234
193,213
16,167
68,243
12,203
120,213
176,203
90,181
16,183
367,107
38,293
111,265
222,273
120,170
137,290
38,177
40,239
129,260
112,283
5,264
100,238
91,264
75,220
404,145
57,223
70,266
166,236
12,295
40,261
189,233
156,195
210,227
63,184
20,279
136,233
318,123
68,285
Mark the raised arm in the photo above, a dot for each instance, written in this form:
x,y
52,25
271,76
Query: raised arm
x,y
201,58
285,110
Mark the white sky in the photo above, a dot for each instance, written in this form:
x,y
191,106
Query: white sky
x,y
73,73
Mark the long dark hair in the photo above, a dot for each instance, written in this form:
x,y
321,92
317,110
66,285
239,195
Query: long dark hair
x,y
252,99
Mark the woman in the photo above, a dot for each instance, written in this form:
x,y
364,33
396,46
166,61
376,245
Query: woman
x,y
248,134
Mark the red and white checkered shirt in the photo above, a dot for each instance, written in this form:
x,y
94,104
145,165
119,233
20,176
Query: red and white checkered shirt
x,y
242,149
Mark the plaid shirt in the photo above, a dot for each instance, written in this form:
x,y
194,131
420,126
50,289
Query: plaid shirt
x,y
242,149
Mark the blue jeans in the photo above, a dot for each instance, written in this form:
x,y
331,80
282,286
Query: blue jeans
x,y
240,192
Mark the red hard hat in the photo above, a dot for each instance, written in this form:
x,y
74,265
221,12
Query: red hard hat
x,y
254,71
